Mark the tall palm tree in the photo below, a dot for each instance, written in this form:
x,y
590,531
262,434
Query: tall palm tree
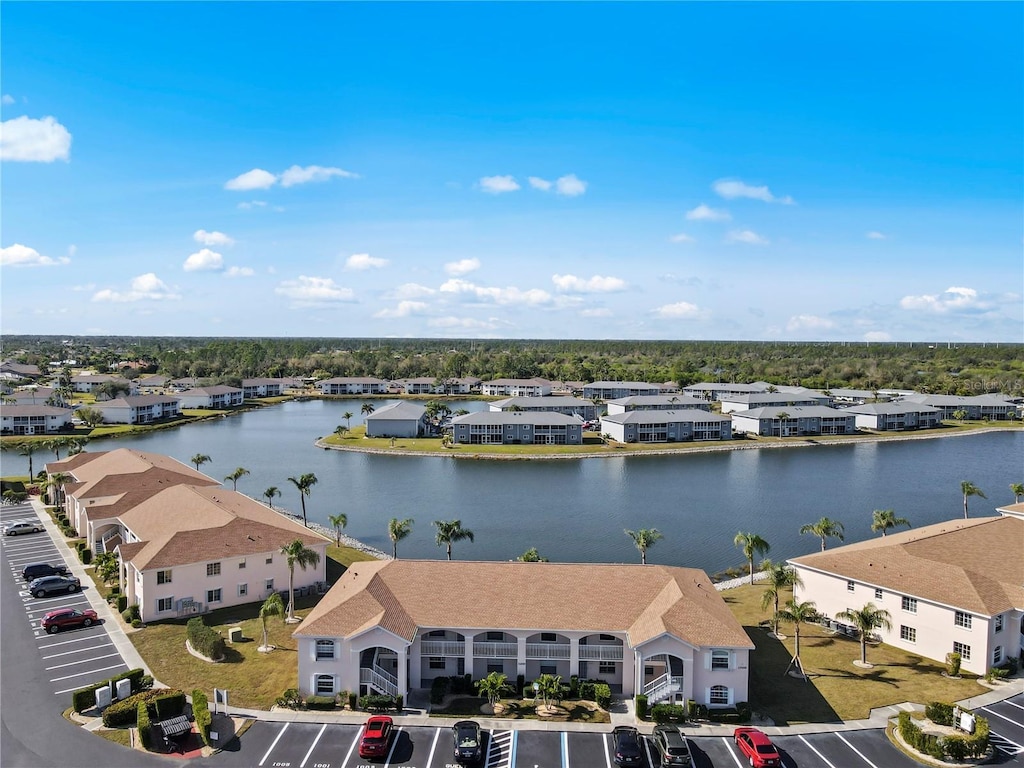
x,y
1017,489
644,538
884,519
338,522
272,606
57,482
305,485
780,577
797,613
970,489
751,544
270,493
367,409
234,477
824,528
450,531
199,459
398,530
28,448
76,445
298,554
867,620
55,444
347,416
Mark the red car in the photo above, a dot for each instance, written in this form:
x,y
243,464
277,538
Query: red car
x,y
64,618
376,737
757,748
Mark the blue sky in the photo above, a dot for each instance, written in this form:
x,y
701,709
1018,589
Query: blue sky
x,y
839,171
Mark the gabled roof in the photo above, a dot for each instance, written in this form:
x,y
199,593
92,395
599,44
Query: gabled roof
x,y
89,467
974,565
137,401
404,411
755,399
527,402
891,408
680,416
680,401
622,385
216,389
644,601
794,411
517,417
34,410
535,382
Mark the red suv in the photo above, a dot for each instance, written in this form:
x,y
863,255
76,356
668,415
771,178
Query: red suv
x,y
376,737
757,748
65,618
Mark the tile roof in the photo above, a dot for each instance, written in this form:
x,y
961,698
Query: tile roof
x,y
870,409
681,416
974,565
644,601
517,417
404,411
642,400
34,410
794,412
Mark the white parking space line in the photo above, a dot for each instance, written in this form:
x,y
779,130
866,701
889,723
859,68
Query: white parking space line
x,y
815,751
82,674
83,661
647,749
77,650
359,735
394,743
53,607
998,739
1003,717
313,745
67,642
274,744
1012,704
607,752
728,746
565,750
861,754
433,746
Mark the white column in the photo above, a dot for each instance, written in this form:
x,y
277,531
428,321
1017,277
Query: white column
x,y
352,671
416,663
521,655
403,677
467,653
574,656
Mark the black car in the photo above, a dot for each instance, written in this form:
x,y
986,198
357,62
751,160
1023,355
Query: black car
x,y
627,745
50,584
672,746
469,748
34,571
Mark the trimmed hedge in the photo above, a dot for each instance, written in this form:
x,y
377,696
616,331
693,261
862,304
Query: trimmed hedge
x,y
86,556
438,689
957,747
668,713
375,702
169,704
201,713
204,640
939,713
641,706
84,698
142,718
320,702
124,712
602,695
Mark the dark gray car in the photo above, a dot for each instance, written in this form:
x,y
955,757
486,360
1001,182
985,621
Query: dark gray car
x,y
672,746
50,584
34,571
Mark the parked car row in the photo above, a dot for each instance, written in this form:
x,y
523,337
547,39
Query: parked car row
x,y
674,750
44,579
467,748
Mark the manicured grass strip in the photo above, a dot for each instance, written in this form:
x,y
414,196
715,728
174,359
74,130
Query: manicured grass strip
x,y
120,736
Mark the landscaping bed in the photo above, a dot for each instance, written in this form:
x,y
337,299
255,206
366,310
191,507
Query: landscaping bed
x,y
521,709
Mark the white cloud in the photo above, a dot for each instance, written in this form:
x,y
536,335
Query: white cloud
x,y
462,266
495,185
953,299
204,260
27,140
239,272
358,262
595,284
470,323
746,236
681,310
873,235
299,175
731,189
509,295
682,237
253,204
212,238
19,255
877,336
257,178
808,323
314,290
538,183
404,309
144,287
596,312
705,213
570,186
7,99
410,291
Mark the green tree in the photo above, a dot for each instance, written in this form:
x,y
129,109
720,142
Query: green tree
x,y
644,539
780,577
272,606
89,416
823,529
298,554
867,620
1017,489
960,414
28,449
341,430
751,544
549,689
55,444
347,416
398,530
796,613
235,476
304,484
367,409
532,556
450,531
970,489
492,686
199,459
56,483
884,519
270,493
338,522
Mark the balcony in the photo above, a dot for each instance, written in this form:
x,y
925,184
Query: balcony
x,y
489,650
600,653
442,648
547,650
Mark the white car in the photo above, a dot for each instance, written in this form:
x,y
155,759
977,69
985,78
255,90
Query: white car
x,y
15,528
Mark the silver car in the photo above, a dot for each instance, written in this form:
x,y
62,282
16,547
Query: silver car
x,y
50,584
15,528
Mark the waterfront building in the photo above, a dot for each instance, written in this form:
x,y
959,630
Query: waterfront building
x,y
793,421
732,403
661,426
517,427
991,407
516,388
717,390
18,419
570,406
139,409
613,390
90,382
895,417
216,396
397,420
353,385
663,402
264,387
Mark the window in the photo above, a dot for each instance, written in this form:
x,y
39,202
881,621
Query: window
x,y
997,655
878,594
719,696
241,564
962,619
719,659
548,669
325,685
908,604
213,595
908,633
270,560
165,604
648,671
997,623
963,650
606,668
437,662
548,637
163,577
495,637
436,633
849,586
607,638
269,586
499,668
243,590
213,569
324,649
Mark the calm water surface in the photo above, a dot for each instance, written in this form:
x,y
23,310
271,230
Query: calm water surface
x,y
576,510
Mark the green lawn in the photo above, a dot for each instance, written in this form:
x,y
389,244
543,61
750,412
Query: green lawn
x,y
836,688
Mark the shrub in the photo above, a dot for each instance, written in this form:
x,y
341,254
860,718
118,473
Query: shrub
x,y
203,639
587,690
668,713
462,684
201,713
116,590
952,664
602,695
744,711
169,704
520,684
376,702
126,614
84,698
136,623
124,712
939,713
996,673
142,718
438,689
86,556
290,699
727,715
122,603
320,702
641,707
399,702
574,686
79,547
353,700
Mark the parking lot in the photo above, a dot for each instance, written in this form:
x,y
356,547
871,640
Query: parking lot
x,y
72,658
1006,723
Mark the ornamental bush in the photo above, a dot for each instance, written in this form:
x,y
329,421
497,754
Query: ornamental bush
x,y
320,702
201,713
602,695
641,706
939,713
204,639
438,689
84,698
668,713
142,719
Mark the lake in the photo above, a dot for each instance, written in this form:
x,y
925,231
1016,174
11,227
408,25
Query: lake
x,y
576,510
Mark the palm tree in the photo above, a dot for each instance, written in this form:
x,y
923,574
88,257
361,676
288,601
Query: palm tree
x,y
867,620
56,444
298,554
797,613
338,522
398,530
234,477
76,445
644,538
199,459
28,448
884,519
1017,489
347,416
823,529
492,687
780,576
970,489
450,531
782,416
272,606
367,409
752,545
532,556
270,493
340,430
57,482
305,484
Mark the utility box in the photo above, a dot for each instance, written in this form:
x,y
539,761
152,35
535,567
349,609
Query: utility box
x,y
124,689
103,697
235,635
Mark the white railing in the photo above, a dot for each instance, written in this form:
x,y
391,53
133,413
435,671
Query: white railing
x,y
380,679
107,537
496,650
600,653
547,650
662,687
442,648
